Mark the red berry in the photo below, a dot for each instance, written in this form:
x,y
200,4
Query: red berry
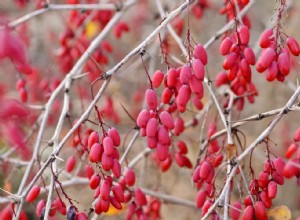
x,y
33,193
93,138
248,201
105,190
206,206
244,34
162,151
283,61
249,55
81,216
265,38
163,136
272,71
291,150
205,169
107,162
198,69
140,197
151,128
95,181
197,87
279,165
89,171
225,46
200,199
118,192
116,169
172,77
263,179
143,118
157,78
115,136
185,74
167,120
39,208
265,59
179,126
70,164
115,203
230,60
235,211
272,189
129,177
151,99
248,213
182,148
200,53
260,211
108,146
96,153
293,46
166,96
290,168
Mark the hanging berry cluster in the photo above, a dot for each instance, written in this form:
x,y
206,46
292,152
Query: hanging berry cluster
x,y
230,10
275,57
277,48
157,124
237,65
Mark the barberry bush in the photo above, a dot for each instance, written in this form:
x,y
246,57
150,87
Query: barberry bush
x,y
139,109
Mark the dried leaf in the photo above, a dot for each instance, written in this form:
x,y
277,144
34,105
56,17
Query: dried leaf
x,y
279,213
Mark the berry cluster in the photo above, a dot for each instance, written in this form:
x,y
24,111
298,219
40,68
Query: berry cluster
x,y
239,57
274,58
156,124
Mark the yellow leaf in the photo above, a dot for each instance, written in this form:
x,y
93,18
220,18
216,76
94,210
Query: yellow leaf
x,y
91,29
280,213
113,211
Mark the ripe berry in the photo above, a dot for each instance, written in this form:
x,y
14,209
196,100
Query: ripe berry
x,y
96,153
108,146
266,58
293,46
151,128
95,181
118,192
129,177
140,197
200,199
272,189
198,69
266,38
205,169
235,211
105,190
249,55
225,46
167,120
33,193
291,150
70,164
260,211
143,118
157,78
200,53
244,34
248,213
93,138
115,136
151,99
